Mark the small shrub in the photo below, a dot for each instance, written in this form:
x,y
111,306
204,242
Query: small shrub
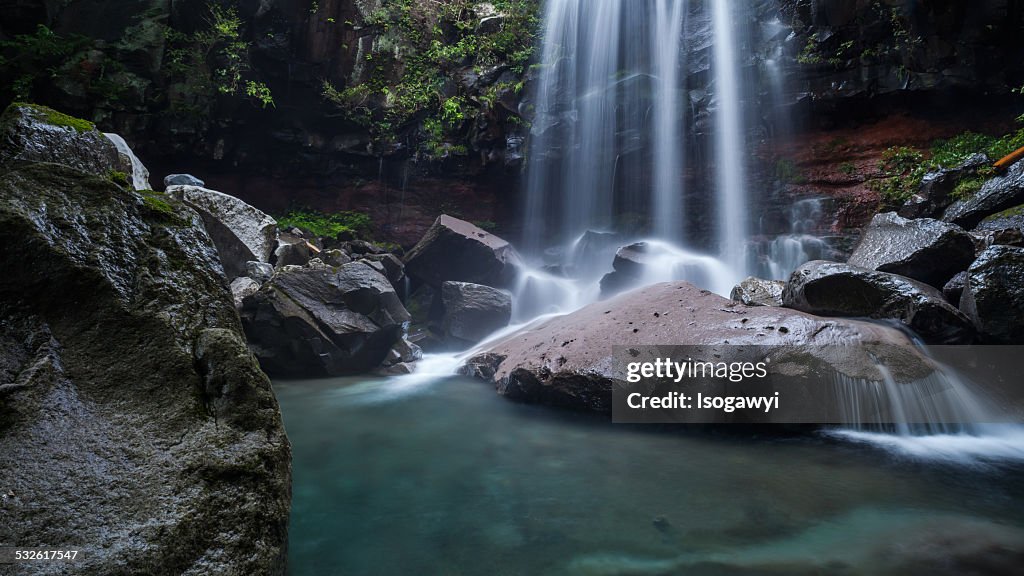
x,y
326,225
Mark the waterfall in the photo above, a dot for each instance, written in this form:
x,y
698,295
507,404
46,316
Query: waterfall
x,y
608,139
730,148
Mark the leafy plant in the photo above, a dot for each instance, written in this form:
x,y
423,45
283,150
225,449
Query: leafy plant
x,y
326,225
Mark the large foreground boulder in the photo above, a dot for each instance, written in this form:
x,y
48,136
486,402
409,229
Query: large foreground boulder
x,y
241,232
456,250
994,295
323,321
134,422
569,360
996,195
927,250
832,289
468,313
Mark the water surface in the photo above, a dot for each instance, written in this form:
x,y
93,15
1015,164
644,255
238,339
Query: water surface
x,y
439,475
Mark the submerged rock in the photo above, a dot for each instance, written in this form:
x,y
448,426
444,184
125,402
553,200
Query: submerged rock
x,y
569,361
456,250
927,250
996,195
833,289
324,321
758,292
994,295
133,419
241,232
470,312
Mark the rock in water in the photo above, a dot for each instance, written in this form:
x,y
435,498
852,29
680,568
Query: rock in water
x,y
471,312
241,232
927,250
324,321
134,422
994,295
139,174
996,195
569,361
182,180
456,250
758,292
33,133
833,289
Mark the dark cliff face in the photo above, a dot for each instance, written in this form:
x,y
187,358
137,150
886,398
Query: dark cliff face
x,y
367,115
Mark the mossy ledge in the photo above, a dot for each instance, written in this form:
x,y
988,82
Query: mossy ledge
x,y
55,118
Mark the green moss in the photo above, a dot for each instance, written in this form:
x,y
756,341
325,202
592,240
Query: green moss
x,y
157,207
326,225
117,177
55,118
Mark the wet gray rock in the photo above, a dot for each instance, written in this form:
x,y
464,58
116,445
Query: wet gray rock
x,y
569,360
241,232
933,196
32,133
456,250
259,271
996,195
924,249
290,250
335,257
758,292
323,321
136,420
955,288
469,313
994,295
627,268
242,287
182,180
832,289
391,266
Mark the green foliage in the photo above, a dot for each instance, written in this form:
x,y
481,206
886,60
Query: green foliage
x,y
26,59
901,169
786,172
212,60
55,118
420,46
326,225
848,168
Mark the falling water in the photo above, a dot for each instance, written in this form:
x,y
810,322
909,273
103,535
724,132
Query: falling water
x,y
668,212
729,141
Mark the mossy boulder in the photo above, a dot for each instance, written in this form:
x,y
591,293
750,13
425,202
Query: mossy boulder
x,y
136,423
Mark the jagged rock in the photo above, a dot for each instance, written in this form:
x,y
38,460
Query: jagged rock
x,y
933,196
363,247
924,249
392,267
259,271
994,295
241,232
182,180
955,288
996,195
243,287
400,359
328,321
32,133
335,257
139,174
470,312
758,292
456,250
291,250
832,289
569,361
134,417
